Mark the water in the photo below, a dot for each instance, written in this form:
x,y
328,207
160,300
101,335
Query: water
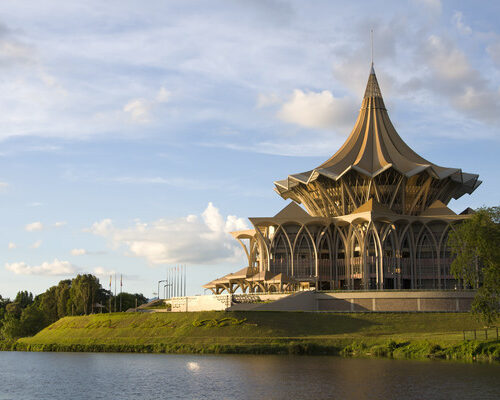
x,y
62,376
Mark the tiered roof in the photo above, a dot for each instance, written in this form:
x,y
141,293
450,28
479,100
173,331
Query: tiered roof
x,y
373,147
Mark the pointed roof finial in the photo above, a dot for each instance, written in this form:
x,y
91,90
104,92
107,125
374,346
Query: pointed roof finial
x,y
371,37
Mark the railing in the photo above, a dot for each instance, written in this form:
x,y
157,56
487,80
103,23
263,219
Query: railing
x,y
480,333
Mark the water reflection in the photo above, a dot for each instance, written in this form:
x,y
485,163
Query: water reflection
x,y
146,376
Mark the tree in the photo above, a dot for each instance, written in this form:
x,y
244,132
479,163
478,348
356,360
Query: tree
x,y
3,306
475,243
128,300
85,292
55,301
31,321
24,298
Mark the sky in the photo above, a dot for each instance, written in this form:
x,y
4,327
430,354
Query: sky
x,y
134,135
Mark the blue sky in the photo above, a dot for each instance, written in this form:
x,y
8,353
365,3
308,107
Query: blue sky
x,y
134,135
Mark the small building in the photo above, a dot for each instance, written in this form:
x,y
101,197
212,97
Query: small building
x,y
373,216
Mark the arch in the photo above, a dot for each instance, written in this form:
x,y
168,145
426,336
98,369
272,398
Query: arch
x,y
373,276
427,265
406,248
340,257
280,257
304,256
355,260
392,271
326,275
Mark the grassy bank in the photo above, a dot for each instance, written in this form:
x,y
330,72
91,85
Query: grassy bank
x,y
397,335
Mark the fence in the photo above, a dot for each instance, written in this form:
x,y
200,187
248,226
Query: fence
x,y
481,333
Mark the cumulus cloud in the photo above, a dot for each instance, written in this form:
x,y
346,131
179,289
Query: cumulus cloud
x,y
12,245
34,226
60,224
193,239
453,76
318,110
78,252
53,268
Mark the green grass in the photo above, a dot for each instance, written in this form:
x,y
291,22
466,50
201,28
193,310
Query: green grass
x,y
404,335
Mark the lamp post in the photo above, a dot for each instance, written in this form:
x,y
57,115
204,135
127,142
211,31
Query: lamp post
x,y
163,280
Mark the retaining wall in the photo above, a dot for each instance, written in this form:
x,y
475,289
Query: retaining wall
x,y
375,301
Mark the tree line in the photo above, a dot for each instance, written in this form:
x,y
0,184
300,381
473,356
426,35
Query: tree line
x,y
475,246
27,314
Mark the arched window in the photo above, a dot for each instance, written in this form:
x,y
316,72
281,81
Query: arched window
x,y
356,262
426,262
304,257
372,261
391,270
325,258
280,256
406,262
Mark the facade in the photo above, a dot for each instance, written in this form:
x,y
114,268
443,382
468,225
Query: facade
x,y
374,216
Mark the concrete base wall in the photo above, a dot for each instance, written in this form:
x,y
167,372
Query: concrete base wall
x,y
376,301
387,301
201,303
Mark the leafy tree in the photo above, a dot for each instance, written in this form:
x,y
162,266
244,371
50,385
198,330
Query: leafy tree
x,y
54,303
14,310
3,305
475,243
11,328
32,320
84,293
128,300
24,298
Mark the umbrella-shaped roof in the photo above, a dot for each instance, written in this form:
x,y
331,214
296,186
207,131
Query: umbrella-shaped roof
x,y
373,147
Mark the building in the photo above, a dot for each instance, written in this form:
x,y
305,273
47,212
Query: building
x,y
374,216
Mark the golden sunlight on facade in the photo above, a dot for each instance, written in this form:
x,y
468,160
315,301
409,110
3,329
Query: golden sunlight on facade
x,y
375,217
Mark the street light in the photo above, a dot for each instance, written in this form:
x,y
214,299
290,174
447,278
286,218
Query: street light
x,y
163,280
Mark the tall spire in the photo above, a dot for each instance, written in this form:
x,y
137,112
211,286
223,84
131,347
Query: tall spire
x,y
373,94
373,147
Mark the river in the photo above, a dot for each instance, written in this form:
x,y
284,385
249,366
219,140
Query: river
x,y
63,376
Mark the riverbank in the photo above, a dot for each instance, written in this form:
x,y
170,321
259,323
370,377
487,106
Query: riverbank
x,y
396,335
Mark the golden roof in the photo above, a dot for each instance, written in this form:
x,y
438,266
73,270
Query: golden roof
x,y
373,147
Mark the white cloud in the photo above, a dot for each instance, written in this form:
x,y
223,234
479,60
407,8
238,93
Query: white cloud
x,y
459,23
12,245
47,268
102,273
34,226
36,245
193,239
60,224
139,110
453,76
3,185
101,228
78,252
318,110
